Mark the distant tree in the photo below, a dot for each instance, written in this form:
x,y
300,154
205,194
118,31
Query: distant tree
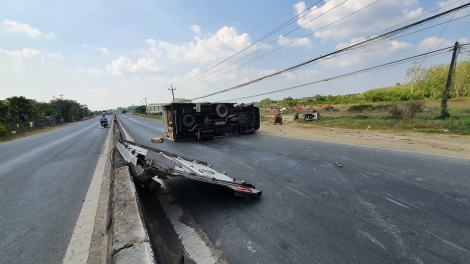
x,y
20,104
461,80
19,107
45,109
267,102
66,107
140,109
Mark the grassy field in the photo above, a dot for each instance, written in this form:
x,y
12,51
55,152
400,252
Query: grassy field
x,y
151,116
373,116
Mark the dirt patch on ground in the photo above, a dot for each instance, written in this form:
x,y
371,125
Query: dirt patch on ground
x,y
441,144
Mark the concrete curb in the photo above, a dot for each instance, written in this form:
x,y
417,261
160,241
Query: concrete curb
x,y
130,242
128,238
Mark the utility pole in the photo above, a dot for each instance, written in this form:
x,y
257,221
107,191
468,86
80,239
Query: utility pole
x,y
146,107
172,93
449,81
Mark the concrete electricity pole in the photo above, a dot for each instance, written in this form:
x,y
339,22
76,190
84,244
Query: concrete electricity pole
x,y
146,107
172,93
449,81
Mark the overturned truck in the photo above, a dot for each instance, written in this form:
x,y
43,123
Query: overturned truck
x,y
186,121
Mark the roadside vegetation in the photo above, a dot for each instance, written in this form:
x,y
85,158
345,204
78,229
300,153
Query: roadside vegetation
x,y
21,117
414,106
382,117
157,116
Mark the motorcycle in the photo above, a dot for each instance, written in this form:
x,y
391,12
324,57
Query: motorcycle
x,y
312,117
104,124
278,119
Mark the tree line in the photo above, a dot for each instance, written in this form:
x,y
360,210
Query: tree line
x,y
422,83
17,110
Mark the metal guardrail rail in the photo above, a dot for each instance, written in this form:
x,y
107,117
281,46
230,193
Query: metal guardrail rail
x,y
164,165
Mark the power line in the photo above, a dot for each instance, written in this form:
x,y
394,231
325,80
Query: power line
x,y
292,20
283,46
378,67
442,7
347,52
351,47
285,24
306,36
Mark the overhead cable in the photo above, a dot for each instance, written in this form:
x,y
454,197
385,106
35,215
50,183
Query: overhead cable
x,y
378,67
283,46
349,48
285,24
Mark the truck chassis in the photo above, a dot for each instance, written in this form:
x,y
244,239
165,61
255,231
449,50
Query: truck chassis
x,y
187,121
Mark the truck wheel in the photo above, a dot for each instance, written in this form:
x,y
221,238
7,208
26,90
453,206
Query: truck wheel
x,y
221,110
188,120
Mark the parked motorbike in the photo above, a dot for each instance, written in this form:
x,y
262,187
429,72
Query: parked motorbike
x,y
278,119
312,117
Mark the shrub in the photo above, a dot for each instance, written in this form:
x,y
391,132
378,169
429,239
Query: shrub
x,y
407,110
3,130
360,108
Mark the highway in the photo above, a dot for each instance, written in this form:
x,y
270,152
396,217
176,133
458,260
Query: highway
x,y
44,180
382,206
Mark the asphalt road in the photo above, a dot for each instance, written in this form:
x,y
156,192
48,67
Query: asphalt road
x,y
382,206
44,180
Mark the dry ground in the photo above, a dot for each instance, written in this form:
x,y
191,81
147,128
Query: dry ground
x,y
440,144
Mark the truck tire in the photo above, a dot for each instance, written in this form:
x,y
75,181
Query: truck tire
x,y
188,120
221,110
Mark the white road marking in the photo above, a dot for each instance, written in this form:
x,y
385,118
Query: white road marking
x,y
79,245
371,238
192,242
397,203
126,135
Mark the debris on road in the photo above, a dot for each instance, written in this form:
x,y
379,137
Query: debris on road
x,y
157,140
163,164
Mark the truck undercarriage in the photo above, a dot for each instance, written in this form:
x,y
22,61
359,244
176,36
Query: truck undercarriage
x,y
187,121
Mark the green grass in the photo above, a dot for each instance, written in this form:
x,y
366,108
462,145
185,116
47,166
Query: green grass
x,y
151,116
373,116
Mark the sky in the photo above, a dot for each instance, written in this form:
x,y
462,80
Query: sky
x,y
109,54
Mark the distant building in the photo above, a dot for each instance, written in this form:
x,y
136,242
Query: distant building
x,y
155,108
182,100
158,107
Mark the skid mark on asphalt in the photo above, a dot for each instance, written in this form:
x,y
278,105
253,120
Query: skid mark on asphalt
x,y
371,238
404,201
298,192
397,203
445,241
244,164
427,187
388,228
